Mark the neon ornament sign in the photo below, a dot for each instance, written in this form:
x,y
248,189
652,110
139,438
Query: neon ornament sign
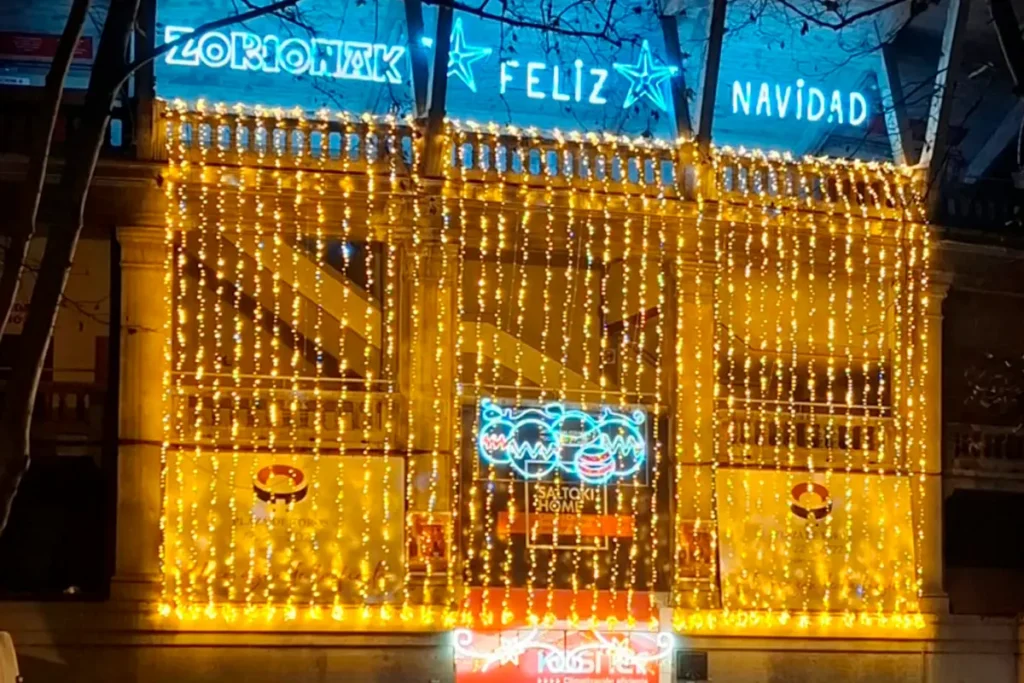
x,y
535,442
603,653
243,51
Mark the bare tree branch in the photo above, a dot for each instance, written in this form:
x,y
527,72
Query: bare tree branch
x,y
843,21
526,23
161,50
38,160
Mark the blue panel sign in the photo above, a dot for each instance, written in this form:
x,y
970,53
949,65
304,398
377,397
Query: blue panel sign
x,y
242,51
356,59
789,102
789,86
29,33
530,77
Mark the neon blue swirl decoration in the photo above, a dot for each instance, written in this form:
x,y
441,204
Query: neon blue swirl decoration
x,y
534,442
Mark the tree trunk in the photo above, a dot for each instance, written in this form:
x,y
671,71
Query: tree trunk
x,y
110,72
38,158
61,243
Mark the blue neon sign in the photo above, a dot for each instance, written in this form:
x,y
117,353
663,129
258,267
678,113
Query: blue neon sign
x,y
461,56
648,77
244,51
535,442
536,79
645,78
797,103
352,56
530,77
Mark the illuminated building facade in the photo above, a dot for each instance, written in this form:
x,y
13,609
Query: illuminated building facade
x,y
498,402
565,394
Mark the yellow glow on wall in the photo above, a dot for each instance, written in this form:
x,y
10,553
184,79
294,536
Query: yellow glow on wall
x,y
772,308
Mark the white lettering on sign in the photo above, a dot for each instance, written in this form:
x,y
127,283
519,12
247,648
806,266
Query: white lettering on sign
x,y
590,661
612,653
242,51
571,499
802,103
647,77
561,85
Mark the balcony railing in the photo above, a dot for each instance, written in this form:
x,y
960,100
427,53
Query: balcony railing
x,y
762,432
600,164
986,205
984,449
278,417
337,142
604,164
777,181
500,155
68,418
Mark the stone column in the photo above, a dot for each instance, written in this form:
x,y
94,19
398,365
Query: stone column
x,y
930,508
695,399
141,430
697,348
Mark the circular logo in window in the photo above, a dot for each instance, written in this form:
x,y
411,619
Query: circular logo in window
x,y
280,484
811,501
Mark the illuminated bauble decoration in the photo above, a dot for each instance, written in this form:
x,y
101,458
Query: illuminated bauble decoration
x,y
535,442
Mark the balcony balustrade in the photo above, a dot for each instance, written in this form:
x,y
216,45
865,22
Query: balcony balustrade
x,y
769,430
984,450
599,165
271,414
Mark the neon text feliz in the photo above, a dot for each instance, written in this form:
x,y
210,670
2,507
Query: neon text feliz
x,y
543,81
809,104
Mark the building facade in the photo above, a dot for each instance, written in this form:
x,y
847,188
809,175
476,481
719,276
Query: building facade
x,y
413,398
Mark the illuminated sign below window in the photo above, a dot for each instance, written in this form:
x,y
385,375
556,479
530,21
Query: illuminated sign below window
x,y
556,656
242,51
594,447
798,102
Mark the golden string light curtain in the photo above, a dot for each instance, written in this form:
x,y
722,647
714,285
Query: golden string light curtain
x,y
582,380
818,453
282,490
561,322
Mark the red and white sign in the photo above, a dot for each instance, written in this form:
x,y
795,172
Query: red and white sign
x,y
40,46
536,656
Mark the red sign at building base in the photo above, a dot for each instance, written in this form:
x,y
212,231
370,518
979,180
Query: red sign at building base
x,y
536,656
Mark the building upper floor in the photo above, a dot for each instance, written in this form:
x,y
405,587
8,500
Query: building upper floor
x,y
824,85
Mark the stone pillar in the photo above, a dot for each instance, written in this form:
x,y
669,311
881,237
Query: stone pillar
x,y
695,399
141,414
697,348
930,508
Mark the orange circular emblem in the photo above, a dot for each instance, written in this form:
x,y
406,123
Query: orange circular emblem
x,y
280,483
811,501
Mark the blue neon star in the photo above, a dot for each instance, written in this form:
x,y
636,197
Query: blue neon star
x,y
645,78
462,56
